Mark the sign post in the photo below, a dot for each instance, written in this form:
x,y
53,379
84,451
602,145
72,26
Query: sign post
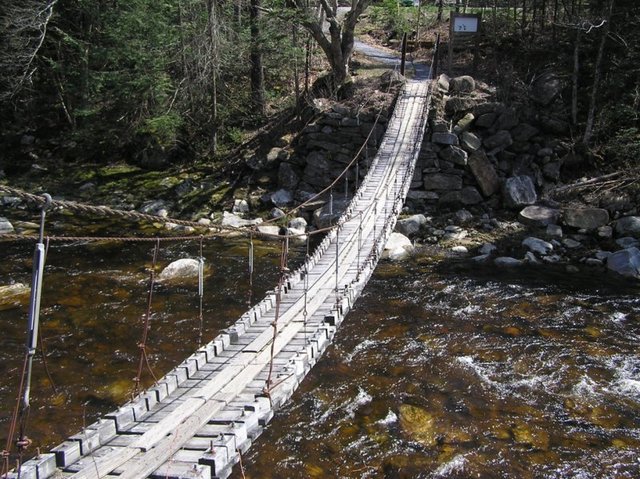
x,y
463,25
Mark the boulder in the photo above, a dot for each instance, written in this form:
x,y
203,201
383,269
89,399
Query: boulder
x,y
288,179
507,120
507,262
444,138
462,84
270,230
538,216
628,226
234,221
484,173
487,249
537,245
182,268
281,198
546,88
524,132
627,242
469,195
398,247
464,123
554,231
391,78
625,262
156,208
500,141
444,82
455,155
441,181
586,218
240,207
470,142
519,191
457,105
298,223
5,226
486,120
276,154
13,295
327,215
412,225
276,213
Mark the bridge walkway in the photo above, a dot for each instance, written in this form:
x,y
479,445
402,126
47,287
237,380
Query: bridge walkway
x,y
197,420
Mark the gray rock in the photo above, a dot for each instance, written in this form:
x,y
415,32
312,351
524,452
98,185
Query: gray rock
x,y
605,232
538,216
423,195
554,231
460,249
486,120
412,225
507,120
457,105
469,195
627,242
5,226
455,155
483,258
546,88
398,247
182,268
625,262
441,181
524,132
234,221
327,215
269,230
628,226
470,142
488,248
450,199
281,198
546,151
240,207
501,140
463,216
530,258
288,179
538,246
602,255
586,218
615,201
507,262
157,208
276,213
593,262
444,138
298,223
444,82
484,173
571,243
462,84
519,191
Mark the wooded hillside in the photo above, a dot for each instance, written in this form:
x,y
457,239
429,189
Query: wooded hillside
x,y
147,81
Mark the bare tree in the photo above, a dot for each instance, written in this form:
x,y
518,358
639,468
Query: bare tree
x,y
24,28
337,40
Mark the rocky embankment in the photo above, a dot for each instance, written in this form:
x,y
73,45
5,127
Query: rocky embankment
x,y
486,179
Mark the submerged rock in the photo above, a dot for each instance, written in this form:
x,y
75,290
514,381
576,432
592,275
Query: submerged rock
x,y
418,424
13,295
182,268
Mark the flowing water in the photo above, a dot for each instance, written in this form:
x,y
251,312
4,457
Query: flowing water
x,y
441,370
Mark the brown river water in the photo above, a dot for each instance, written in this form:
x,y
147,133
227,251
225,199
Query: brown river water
x,y
441,370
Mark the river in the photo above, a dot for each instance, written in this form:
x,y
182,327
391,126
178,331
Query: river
x,y
441,370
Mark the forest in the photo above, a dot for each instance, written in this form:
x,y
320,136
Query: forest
x,y
104,81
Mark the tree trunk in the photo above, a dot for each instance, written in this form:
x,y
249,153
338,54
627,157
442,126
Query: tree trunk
x,y
575,76
588,131
257,72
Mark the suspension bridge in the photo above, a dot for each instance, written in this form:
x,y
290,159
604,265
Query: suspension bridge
x,y
198,419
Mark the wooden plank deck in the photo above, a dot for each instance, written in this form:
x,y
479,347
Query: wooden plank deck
x,y
198,419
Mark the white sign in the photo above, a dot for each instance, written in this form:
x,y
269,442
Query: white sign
x,y
465,24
